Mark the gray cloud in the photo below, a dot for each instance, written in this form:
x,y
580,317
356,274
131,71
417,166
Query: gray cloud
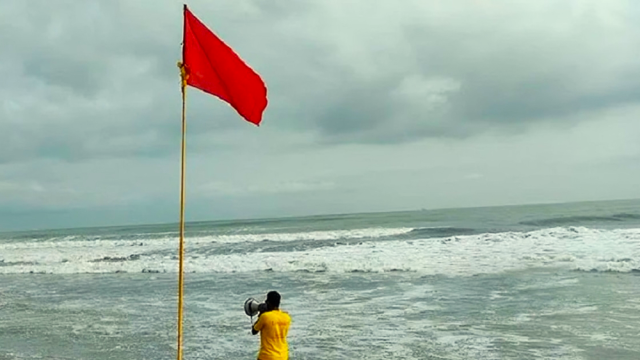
x,y
334,68
516,66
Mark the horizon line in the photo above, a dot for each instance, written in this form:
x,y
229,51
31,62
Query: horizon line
x,y
309,216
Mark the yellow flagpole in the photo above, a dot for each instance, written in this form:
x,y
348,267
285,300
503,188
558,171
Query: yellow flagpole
x,y
183,76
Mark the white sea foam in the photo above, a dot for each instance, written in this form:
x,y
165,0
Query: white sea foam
x,y
571,248
79,254
169,241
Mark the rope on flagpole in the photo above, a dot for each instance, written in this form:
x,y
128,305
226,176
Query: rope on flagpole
x,y
183,76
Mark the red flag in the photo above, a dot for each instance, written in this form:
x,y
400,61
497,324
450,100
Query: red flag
x,y
215,68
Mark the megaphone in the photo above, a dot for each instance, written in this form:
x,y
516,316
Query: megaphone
x,y
252,307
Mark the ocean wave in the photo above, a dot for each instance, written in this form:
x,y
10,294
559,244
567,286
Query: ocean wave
x,y
619,265
95,254
168,242
443,231
579,220
573,248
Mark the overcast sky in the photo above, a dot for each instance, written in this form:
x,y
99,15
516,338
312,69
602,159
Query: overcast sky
x,y
373,106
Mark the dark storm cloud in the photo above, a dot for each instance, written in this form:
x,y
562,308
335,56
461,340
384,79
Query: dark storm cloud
x,y
77,85
98,79
513,69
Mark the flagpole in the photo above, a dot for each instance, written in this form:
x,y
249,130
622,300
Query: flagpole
x,y
183,77
251,100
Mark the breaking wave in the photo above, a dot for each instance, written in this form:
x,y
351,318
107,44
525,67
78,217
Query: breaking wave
x,y
573,248
442,231
168,240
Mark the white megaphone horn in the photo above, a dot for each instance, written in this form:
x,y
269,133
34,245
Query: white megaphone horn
x,y
252,307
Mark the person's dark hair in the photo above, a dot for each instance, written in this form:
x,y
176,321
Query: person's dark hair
x,y
273,299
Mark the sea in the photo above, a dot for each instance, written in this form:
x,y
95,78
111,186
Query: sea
x,y
556,281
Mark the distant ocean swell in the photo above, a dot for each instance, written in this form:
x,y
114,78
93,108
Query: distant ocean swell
x,y
567,220
373,250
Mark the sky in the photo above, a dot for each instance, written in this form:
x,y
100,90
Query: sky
x,y
373,106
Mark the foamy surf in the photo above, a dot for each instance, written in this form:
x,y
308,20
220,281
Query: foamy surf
x,y
573,248
168,240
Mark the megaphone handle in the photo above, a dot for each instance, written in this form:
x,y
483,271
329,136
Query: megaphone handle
x,y
251,322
